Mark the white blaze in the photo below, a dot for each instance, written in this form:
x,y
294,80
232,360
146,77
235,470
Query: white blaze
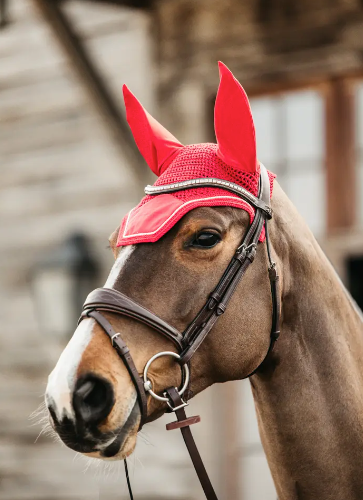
x,y
118,265
62,380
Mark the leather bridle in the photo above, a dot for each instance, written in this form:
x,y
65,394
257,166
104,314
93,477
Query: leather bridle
x,y
187,343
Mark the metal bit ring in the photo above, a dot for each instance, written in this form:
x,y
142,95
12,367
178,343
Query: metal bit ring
x,y
148,384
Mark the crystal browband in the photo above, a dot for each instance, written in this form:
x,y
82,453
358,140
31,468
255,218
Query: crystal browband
x,y
211,182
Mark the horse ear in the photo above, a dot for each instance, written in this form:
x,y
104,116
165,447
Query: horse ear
x,y
233,123
155,143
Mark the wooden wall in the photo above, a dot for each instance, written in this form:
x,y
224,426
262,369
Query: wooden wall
x,y
266,42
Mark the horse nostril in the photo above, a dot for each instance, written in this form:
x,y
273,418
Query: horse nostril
x,y
93,399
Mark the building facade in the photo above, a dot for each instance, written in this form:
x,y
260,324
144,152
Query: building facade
x,y
62,171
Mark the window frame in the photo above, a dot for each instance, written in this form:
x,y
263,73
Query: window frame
x,y
340,148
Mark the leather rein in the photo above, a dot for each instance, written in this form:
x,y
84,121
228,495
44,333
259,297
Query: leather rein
x,y
187,343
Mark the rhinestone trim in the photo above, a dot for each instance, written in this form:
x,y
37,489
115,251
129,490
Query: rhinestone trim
x,y
211,181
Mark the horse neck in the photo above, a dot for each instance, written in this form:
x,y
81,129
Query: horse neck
x,y
310,405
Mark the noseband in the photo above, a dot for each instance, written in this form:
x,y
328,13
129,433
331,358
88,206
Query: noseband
x,y
187,343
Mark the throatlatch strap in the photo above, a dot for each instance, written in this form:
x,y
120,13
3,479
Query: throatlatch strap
x,y
183,424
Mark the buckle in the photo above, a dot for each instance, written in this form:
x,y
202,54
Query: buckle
x,y
244,251
113,338
183,405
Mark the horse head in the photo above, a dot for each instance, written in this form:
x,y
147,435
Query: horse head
x,y
170,253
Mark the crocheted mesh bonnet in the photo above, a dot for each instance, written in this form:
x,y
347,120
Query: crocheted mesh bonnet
x,y
232,159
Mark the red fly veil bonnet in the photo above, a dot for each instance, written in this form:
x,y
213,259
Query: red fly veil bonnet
x,y
232,159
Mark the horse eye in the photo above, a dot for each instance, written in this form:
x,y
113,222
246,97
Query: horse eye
x,y
206,240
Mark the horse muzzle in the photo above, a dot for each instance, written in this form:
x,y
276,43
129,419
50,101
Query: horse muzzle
x,y
86,430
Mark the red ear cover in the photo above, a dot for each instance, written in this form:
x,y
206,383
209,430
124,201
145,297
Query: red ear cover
x,y
233,124
155,143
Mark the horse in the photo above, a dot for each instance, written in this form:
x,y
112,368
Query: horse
x,y
308,390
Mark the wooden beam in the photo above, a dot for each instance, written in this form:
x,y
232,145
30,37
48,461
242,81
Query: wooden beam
x,y
340,156
93,82
136,4
3,13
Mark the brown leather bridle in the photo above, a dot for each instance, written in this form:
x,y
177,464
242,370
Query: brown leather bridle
x,y
110,300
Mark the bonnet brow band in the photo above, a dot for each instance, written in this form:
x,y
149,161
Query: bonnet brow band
x,y
211,182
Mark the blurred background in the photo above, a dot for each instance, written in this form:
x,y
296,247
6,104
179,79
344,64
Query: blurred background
x,y
70,171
